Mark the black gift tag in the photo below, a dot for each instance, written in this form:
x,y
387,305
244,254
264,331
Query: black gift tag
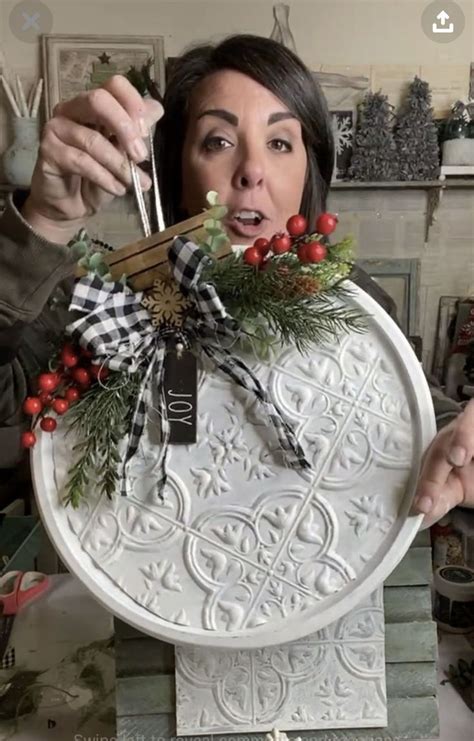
x,y
180,389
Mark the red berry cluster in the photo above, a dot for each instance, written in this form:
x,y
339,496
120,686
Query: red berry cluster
x,y
58,390
307,247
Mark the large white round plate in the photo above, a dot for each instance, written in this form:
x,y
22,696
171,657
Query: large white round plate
x,y
246,552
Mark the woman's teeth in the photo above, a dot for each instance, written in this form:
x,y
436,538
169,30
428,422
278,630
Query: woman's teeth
x,y
249,217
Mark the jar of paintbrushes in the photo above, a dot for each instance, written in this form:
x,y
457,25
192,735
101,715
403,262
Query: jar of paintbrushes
x,y
20,158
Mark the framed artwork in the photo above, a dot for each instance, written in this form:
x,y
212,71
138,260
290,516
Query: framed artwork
x,y
400,279
74,63
343,130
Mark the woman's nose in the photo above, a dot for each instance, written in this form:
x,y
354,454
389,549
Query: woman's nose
x,y
249,173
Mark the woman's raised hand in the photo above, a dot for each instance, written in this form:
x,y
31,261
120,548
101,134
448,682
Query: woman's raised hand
x,y
82,162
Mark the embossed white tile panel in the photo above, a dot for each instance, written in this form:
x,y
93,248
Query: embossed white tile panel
x,y
334,678
245,550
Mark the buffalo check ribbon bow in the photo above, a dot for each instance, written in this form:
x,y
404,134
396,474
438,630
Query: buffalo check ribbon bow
x,y
118,331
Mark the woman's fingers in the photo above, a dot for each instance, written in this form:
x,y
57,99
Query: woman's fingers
x,y
97,146
434,473
118,108
100,108
144,111
69,160
442,499
85,151
130,99
447,474
461,449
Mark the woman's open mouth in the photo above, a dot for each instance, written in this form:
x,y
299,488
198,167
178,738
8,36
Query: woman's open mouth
x,y
246,223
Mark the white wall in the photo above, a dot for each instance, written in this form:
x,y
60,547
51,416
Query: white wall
x,y
382,39
336,32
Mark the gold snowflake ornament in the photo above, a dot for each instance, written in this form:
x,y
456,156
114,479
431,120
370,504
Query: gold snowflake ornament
x,y
166,303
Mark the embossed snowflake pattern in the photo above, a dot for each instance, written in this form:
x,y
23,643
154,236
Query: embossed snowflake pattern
x,y
369,514
166,303
249,406
228,447
256,467
210,481
234,536
300,396
162,575
205,432
301,715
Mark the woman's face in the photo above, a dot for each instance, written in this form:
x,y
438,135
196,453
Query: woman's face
x,y
243,142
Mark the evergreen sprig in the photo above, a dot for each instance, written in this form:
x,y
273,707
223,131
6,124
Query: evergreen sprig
x,y
297,304
100,419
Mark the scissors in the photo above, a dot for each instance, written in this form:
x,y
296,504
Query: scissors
x,y
17,588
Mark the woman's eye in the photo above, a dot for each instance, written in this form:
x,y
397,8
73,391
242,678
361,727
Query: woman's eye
x,y
281,145
215,143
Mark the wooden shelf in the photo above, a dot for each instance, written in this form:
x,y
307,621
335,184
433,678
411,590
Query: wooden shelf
x,y
448,182
434,190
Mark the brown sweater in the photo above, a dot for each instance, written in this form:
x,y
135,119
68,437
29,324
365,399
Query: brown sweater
x,y
32,272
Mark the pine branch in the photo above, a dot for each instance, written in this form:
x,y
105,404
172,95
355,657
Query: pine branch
x,y
304,323
100,420
288,298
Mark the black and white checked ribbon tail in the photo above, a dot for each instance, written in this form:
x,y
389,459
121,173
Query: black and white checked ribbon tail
x,y
243,376
8,660
118,331
214,329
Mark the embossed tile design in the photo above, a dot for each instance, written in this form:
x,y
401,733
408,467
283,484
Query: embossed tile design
x,y
245,549
334,678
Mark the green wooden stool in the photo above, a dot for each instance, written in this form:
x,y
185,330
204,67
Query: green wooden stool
x,y
145,689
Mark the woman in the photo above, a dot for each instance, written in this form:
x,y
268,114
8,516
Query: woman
x,y
244,118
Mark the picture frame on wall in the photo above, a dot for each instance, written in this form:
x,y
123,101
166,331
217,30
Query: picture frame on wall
x,y
400,279
73,63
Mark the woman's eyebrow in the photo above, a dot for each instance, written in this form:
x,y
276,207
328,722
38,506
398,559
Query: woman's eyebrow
x,y
221,113
280,116
232,119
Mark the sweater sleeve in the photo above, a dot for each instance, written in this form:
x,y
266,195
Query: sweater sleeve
x,y
30,269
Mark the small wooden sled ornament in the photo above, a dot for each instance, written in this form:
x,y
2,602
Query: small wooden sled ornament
x,y
146,259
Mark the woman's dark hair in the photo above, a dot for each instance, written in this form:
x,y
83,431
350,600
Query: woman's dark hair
x,y
280,71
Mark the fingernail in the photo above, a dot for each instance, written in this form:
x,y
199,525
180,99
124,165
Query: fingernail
x,y
424,505
120,189
144,130
138,150
457,456
145,182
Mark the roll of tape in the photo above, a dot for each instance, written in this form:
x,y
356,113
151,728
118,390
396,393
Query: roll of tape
x,y
454,598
